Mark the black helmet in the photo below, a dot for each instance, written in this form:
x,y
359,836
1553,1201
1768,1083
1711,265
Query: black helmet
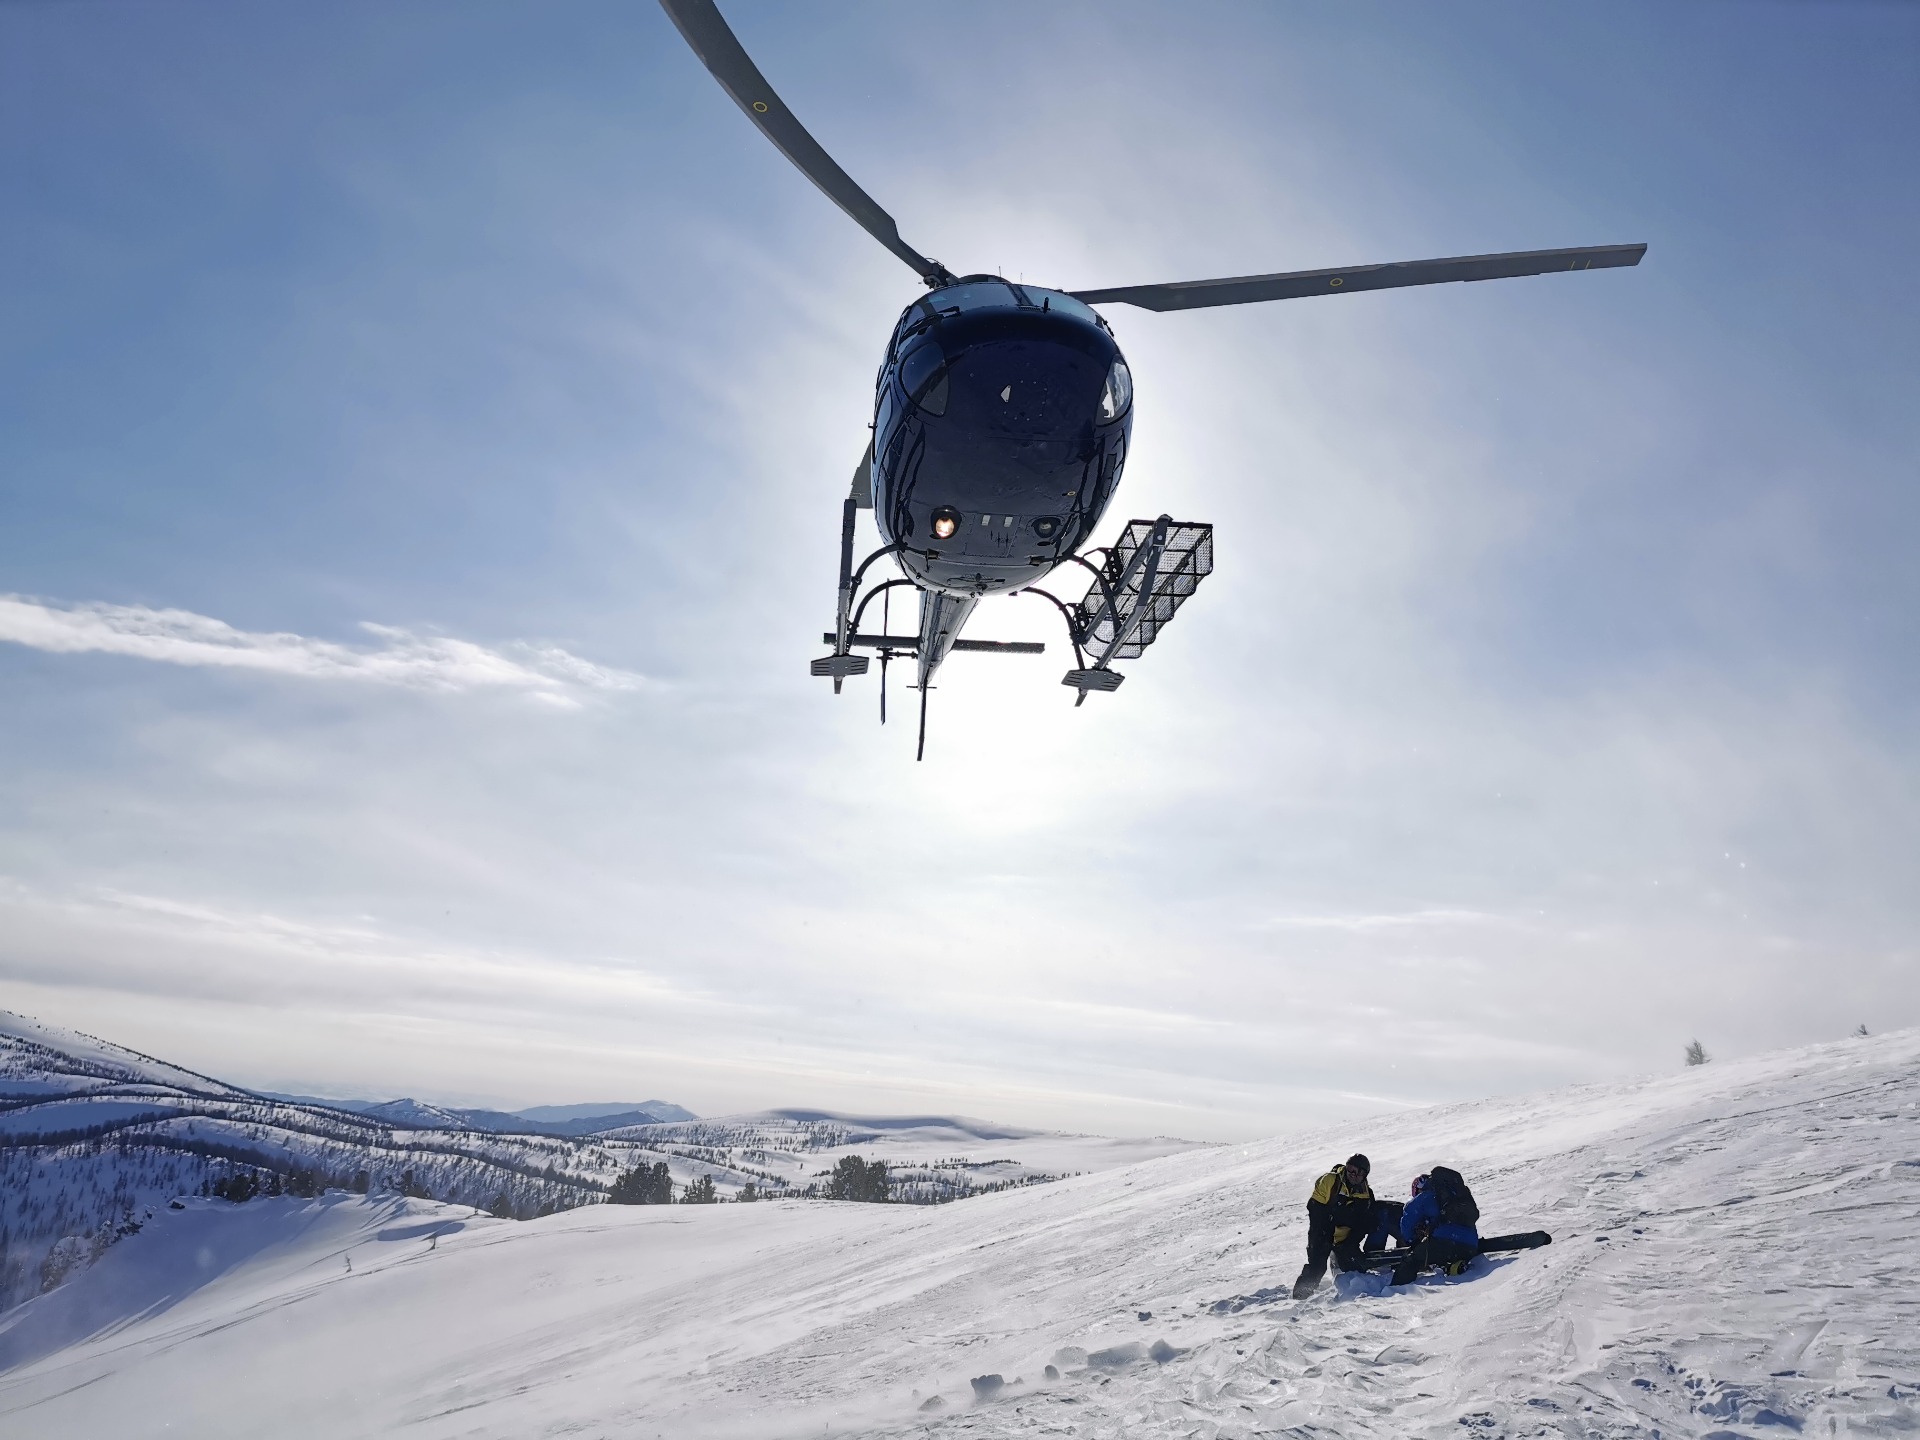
x,y
1360,1163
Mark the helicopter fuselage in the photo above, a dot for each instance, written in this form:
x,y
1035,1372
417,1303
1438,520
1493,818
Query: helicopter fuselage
x,y
1002,416
1001,422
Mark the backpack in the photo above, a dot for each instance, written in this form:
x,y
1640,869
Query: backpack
x,y
1450,1192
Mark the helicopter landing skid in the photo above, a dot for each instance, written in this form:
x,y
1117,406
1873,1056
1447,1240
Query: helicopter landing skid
x,y
1085,680
841,666
1143,580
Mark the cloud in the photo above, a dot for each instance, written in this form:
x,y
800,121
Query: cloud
x,y
400,657
1360,924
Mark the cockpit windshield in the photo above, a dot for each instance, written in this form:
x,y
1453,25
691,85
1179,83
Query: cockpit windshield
x,y
1060,301
972,295
923,373
998,294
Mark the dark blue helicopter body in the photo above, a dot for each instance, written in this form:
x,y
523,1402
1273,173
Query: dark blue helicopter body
x,y
1002,417
1000,429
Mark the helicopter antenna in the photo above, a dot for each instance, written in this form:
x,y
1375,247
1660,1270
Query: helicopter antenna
x,y
885,655
706,30
921,752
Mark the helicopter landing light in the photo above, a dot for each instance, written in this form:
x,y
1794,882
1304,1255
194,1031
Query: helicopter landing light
x,y
946,520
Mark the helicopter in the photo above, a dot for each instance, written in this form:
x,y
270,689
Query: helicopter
x,y
1002,415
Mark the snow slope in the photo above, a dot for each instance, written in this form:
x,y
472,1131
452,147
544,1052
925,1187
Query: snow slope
x,y
94,1137
1734,1254
43,1060
572,1120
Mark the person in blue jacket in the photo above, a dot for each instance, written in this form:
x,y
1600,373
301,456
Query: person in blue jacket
x,y
1433,1240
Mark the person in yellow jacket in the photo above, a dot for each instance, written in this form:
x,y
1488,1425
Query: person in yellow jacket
x,y
1342,1216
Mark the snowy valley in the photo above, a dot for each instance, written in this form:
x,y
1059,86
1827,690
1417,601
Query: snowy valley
x,y
1734,1255
95,1139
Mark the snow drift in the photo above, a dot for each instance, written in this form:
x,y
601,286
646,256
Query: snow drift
x,y
1734,1255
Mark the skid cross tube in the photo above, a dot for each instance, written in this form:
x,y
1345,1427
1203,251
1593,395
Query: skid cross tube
x,y
892,549
867,599
910,645
1100,579
1073,634
841,662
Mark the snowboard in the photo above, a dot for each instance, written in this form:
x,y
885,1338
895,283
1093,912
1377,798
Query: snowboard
x,y
1531,1240
1376,1260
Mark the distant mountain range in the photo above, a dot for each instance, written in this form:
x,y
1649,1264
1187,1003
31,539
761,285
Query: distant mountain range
x,y
664,1110
575,1120
96,1139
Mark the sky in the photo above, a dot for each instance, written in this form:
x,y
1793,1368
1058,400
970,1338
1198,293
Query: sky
x,y
423,428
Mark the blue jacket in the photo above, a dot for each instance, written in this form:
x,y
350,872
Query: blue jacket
x,y
1424,1211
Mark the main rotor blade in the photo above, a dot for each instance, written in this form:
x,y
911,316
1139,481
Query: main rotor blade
x,y
1299,284
706,31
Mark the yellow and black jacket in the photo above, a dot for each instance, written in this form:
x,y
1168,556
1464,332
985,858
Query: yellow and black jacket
x,y
1336,1210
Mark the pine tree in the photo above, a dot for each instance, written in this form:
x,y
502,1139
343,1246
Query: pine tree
x,y
1696,1053
643,1185
857,1179
699,1192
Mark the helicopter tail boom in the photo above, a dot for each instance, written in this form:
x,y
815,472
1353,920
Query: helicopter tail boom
x,y
941,618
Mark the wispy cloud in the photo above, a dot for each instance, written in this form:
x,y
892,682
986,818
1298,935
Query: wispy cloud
x,y
1409,920
396,656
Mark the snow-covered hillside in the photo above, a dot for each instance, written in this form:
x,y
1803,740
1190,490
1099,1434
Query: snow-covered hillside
x,y
1735,1254
38,1060
96,1139
930,1157
576,1120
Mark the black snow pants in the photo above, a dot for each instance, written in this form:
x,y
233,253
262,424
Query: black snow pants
x,y
1385,1219
1432,1251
